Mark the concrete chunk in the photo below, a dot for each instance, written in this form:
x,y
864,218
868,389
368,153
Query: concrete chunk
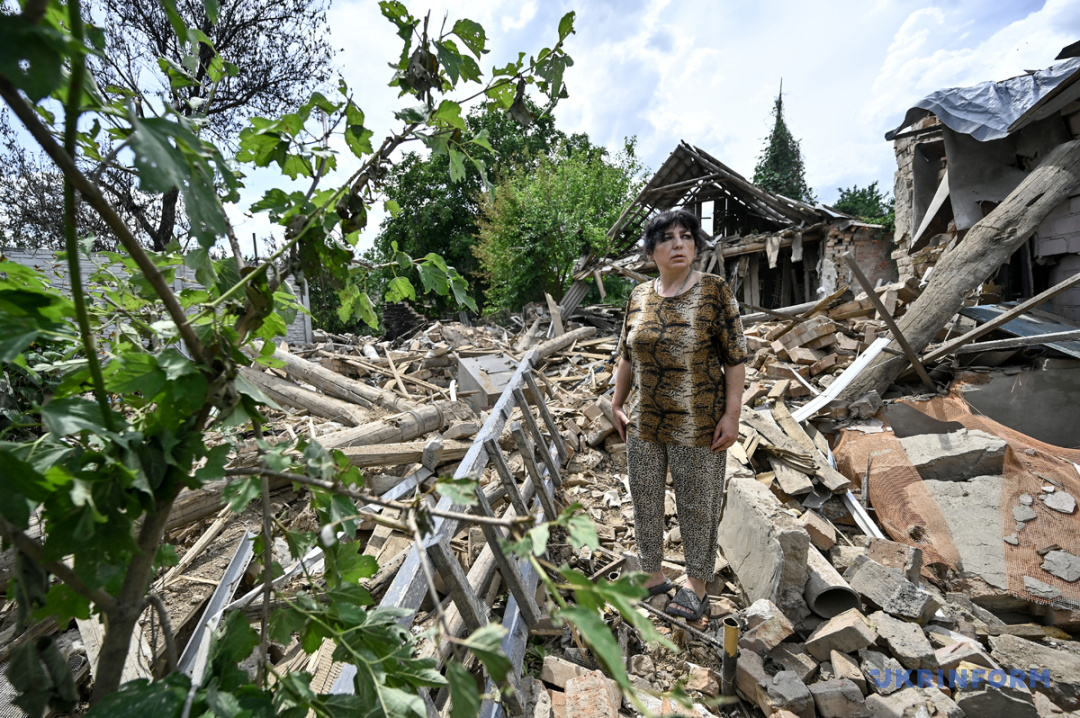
x,y
1061,501
1040,588
845,633
822,533
1057,671
839,698
787,692
558,671
841,556
887,589
1062,564
906,641
902,557
765,547
883,673
844,666
703,680
956,455
994,696
750,679
767,626
972,510
1024,513
950,656
592,696
794,657
912,702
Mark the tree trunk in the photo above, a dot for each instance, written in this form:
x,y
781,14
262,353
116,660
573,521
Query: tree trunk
x,y
284,392
167,225
120,623
985,248
561,342
340,386
404,427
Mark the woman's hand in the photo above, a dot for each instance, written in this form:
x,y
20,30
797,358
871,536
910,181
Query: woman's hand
x,y
622,420
726,432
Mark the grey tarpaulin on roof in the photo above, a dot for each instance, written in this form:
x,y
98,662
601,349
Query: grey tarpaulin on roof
x,y
986,110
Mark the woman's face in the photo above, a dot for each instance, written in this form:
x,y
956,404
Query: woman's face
x,y
676,249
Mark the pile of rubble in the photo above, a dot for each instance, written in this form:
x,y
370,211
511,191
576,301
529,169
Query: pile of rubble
x,y
836,619
802,355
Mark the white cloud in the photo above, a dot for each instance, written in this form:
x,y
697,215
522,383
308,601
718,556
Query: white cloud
x,y
528,12
708,72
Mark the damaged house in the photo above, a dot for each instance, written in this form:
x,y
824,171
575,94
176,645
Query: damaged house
x,y
774,251
961,151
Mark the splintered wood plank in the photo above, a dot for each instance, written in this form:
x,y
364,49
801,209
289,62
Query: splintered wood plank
x,y
537,437
792,482
791,427
832,479
779,389
397,376
818,438
508,568
325,671
381,535
739,453
403,453
549,422
461,591
526,451
506,476
556,315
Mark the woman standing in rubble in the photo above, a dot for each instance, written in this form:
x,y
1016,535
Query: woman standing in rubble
x,y
683,350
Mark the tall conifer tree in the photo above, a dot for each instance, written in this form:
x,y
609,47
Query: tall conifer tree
x,y
780,165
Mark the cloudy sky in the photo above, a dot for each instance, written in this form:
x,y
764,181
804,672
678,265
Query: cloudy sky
x,y
708,72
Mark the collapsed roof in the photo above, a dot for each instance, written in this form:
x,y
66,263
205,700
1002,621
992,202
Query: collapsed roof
x,y
692,176
993,110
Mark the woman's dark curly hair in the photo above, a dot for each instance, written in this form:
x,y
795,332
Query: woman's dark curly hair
x,y
658,224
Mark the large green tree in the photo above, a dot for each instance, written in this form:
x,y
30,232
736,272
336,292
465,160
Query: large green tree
x,y
780,165
868,204
435,214
278,49
541,221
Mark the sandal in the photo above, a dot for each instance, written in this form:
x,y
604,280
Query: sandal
x,y
661,588
687,606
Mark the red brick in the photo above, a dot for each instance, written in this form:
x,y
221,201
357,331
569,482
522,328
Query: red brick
x,y
592,696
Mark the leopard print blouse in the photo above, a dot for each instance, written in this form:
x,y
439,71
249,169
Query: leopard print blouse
x,y
678,347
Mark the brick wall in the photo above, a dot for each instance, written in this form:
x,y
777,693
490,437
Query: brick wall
x,y
1067,304
299,332
903,189
1059,233
1057,241
872,252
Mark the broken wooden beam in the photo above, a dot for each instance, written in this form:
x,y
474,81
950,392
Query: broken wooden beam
x,y
952,346
537,437
403,427
289,394
986,247
556,316
461,591
898,336
403,453
559,343
340,386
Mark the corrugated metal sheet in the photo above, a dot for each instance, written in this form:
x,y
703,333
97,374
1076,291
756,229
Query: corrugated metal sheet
x,y
1030,325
